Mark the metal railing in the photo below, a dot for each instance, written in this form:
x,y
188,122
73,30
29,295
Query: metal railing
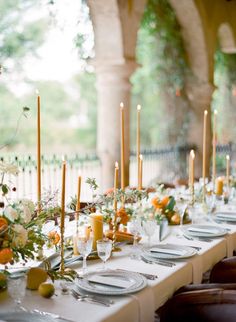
x,y
159,165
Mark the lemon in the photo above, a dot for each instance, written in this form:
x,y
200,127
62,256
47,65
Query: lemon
x,y
35,277
46,290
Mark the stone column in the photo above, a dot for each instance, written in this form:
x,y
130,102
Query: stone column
x,y
200,95
113,87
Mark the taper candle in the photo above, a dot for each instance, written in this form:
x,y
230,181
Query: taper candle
x,y
122,145
140,183
214,149
62,224
38,150
138,138
227,170
192,154
204,154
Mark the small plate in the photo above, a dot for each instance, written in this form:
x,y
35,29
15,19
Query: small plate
x,y
137,282
170,251
206,231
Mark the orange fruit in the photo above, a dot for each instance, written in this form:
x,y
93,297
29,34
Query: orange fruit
x,y
54,237
165,201
124,217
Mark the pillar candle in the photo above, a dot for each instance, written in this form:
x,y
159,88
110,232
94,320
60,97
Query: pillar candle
x,y
219,186
214,149
38,151
122,146
138,138
97,228
116,178
227,170
140,183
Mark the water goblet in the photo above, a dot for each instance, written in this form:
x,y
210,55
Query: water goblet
x,y
149,227
16,285
135,229
104,247
84,243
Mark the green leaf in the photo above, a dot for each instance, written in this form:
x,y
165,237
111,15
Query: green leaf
x,y
171,204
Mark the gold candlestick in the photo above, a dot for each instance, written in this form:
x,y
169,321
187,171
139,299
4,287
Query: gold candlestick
x,y
140,183
62,226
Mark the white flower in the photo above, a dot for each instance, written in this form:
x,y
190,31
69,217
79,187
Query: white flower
x,y
26,215
8,168
11,213
20,236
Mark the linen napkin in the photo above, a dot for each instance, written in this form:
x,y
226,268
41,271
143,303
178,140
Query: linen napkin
x,y
212,231
168,251
110,281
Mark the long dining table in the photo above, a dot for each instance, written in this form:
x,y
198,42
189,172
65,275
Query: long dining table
x,y
140,306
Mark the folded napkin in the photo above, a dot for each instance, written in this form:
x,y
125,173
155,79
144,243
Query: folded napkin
x,y
167,251
212,231
226,215
110,281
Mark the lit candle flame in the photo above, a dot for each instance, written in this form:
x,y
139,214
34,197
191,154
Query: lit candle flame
x,y
116,165
140,157
215,112
121,105
138,107
205,112
192,154
227,157
37,92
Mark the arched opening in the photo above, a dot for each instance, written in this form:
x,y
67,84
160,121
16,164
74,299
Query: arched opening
x,y
226,39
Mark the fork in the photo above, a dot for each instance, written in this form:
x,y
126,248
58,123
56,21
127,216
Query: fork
x,y
157,261
89,299
207,240
106,300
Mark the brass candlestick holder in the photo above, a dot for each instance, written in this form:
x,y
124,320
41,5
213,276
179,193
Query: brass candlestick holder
x,y
192,193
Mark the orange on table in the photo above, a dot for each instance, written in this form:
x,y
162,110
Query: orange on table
x,y
6,255
160,204
165,201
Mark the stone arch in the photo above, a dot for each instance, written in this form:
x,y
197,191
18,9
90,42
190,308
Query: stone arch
x,y
226,39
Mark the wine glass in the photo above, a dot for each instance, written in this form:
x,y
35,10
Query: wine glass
x,y
104,247
135,229
16,285
149,227
84,243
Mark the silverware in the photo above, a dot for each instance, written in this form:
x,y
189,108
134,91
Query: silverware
x,y
158,262
148,276
88,299
96,297
207,240
52,315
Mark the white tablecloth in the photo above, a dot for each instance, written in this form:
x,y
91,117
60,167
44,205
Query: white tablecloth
x,y
140,306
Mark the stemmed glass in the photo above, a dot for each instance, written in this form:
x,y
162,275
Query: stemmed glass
x,y
135,228
16,285
149,227
84,243
104,247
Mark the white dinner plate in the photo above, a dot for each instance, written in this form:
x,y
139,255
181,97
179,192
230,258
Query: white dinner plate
x,y
170,251
206,231
226,216
21,316
132,282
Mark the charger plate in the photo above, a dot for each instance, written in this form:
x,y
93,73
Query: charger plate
x,y
170,251
137,282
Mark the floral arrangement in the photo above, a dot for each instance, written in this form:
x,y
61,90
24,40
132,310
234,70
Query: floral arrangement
x,y
166,208
20,225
